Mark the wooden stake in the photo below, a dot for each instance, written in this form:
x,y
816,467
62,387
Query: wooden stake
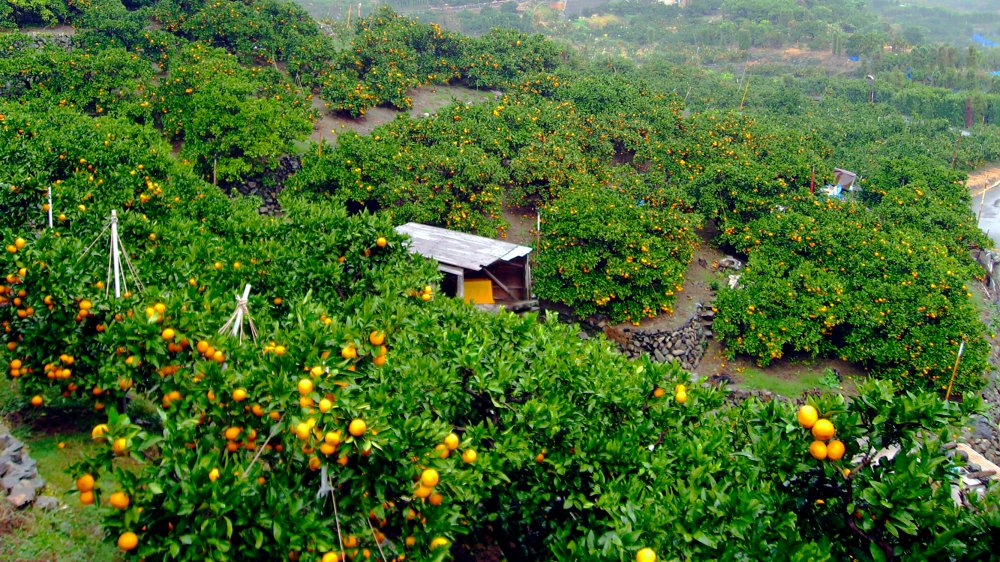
x,y
954,371
745,90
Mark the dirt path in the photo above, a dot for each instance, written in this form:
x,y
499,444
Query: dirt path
x,y
426,101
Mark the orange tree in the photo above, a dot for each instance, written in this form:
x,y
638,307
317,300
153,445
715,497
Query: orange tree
x,y
248,443
561,447
233,120
834,281
109,81
618,253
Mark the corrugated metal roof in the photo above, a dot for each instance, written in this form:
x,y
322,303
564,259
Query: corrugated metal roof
x,y
467,251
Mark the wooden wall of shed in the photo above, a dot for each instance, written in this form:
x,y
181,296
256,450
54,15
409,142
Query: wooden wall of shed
x,y
511,275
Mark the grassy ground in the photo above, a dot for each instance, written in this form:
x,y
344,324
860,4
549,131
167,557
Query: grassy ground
x,y
808,377
70,532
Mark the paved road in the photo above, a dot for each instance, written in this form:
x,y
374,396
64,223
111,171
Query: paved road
x,y
989,220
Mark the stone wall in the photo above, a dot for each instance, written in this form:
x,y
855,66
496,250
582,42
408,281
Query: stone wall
x,y
686,344
19,473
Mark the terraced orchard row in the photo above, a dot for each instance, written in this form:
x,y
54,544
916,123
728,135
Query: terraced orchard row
x,y
370,418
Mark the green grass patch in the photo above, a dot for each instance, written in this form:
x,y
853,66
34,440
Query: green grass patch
x,y
71,532
792,386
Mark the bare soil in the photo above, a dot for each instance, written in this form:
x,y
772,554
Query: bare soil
x,y
522,225
795,56
983,177
426,100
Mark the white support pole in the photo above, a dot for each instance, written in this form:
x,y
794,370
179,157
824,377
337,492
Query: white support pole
x,y
116,264
241,306
50,206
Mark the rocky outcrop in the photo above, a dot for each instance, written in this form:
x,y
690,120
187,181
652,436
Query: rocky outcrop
x,y
268,190
686,344
19,472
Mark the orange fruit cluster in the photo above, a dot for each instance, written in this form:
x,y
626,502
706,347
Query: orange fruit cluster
x,y
823,447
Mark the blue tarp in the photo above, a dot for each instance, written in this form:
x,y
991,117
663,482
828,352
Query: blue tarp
x,y
854,58
995,73
977,38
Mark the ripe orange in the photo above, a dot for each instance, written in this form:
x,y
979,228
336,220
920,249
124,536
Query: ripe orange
x,y
305,386
127,541
120,446
451,441
37,400
823,429
87,498
213,475
331,557
436,499
835,450
317,371
350,541
86,305
410,541
119,500
381,242
325,405
202,346
469,456
332,437
818,450
357,427
680,388
97,434
645,555
21,242
808,416
376,338
438,542
422,491
658,392
168,334
302,431
85,483
681,397
233,433
239,395
540,457
430,478
379,360
348,352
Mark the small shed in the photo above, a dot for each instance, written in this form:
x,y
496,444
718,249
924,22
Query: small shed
x,y
477,269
